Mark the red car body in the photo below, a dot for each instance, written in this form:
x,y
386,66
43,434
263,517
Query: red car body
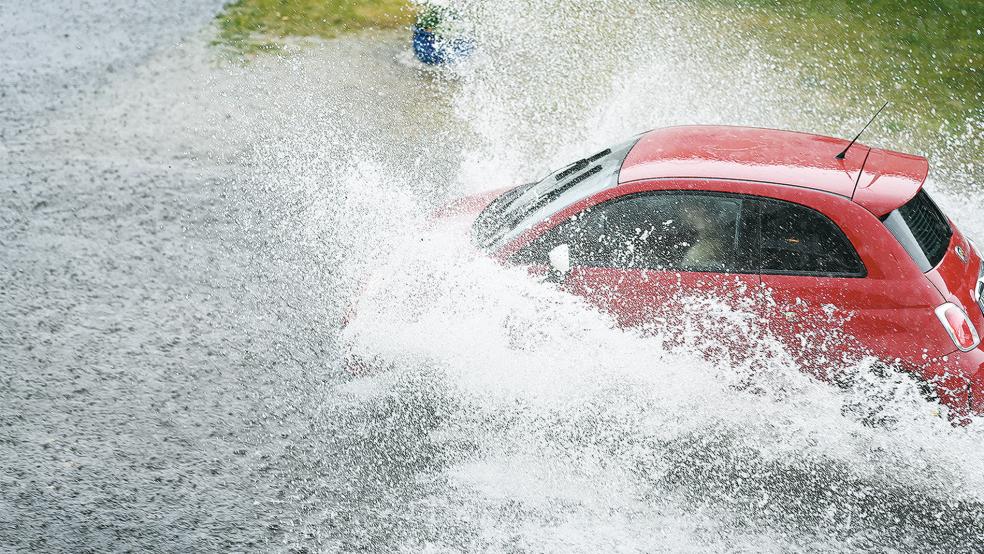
x,y
890,301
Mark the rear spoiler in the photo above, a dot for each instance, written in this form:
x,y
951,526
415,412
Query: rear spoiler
x,y
888,180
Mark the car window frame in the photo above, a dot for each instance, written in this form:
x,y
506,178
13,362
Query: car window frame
x,y
899,228
748,222
758,205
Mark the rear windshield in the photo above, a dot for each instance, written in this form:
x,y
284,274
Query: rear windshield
x,y
922,229
523,207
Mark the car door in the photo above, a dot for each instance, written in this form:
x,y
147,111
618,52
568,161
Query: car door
x,y
660,259
820,297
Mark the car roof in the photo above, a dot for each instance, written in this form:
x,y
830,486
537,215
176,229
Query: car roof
x,y
879,180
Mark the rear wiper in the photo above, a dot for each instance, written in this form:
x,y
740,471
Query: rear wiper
x,y
545,199
581,164
503,202
554,194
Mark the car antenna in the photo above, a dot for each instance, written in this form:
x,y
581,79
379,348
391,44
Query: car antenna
x,y
844,152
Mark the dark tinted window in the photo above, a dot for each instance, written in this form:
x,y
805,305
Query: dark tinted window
x,y
922,229
799,240
671,231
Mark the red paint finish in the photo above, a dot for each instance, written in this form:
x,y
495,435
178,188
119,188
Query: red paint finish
x,y
747,154
640,297
889,312
973,365
889,180
879,180
956,278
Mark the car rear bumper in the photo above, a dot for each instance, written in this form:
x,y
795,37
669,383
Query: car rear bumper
x,y
959,381
974,362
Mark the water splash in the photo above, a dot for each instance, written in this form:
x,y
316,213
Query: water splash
x,y
511,415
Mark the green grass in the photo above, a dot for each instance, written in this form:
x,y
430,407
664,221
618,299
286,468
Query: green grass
x,y
925,57
252,25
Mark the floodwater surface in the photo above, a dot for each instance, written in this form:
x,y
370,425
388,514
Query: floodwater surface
x,y
183,235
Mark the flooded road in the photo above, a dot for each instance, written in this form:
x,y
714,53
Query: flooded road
x,y
182,235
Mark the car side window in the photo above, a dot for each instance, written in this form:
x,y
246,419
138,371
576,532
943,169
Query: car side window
x,y
662,230
802,241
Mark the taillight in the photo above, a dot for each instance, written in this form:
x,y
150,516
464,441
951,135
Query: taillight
x,y
958,326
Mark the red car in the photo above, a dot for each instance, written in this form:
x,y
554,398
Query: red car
x,y
839,255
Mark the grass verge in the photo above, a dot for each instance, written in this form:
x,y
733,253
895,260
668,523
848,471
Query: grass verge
x,y
926,57
248,26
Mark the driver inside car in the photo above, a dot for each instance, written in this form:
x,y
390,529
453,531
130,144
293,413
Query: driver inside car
x,y
713,238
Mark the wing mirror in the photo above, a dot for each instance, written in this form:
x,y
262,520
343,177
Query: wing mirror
x,y
560,261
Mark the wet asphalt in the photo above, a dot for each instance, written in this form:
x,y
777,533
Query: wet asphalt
x,y
166,359
123,420
165,378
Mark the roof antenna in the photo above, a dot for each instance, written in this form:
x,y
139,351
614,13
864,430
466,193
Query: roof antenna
x,y
844,152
